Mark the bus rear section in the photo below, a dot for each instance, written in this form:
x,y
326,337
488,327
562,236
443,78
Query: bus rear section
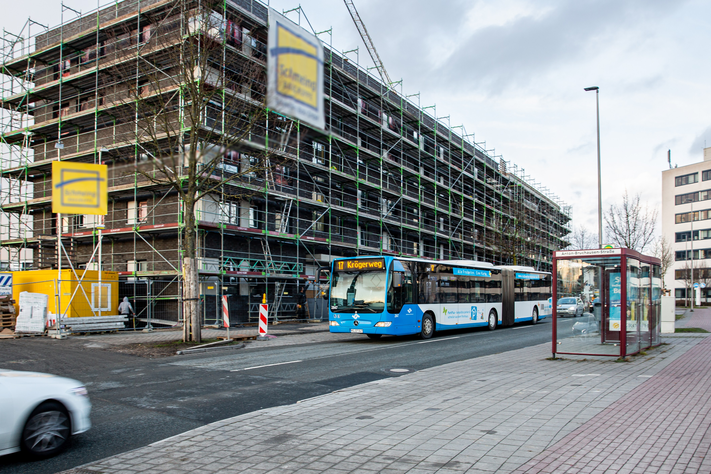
x,y
527,295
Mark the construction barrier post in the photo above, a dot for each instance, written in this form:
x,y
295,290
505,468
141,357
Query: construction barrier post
x,y
226,315
263,312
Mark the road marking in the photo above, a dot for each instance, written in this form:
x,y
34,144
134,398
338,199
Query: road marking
x,y
645,376
268,365
523,327
585,375
438,340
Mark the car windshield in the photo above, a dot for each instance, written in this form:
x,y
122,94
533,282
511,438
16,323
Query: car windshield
x,y
566,301
358,291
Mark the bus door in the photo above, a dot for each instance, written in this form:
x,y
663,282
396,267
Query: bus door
x,y
611,305
508,305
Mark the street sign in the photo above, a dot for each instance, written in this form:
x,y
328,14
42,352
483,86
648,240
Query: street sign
x,y
696,285
79,188
5,284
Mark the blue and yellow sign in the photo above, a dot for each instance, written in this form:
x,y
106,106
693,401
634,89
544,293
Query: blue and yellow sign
x,y
79,188
295,71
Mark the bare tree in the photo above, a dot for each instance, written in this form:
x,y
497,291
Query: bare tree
x,y
582,238
664,252
703,275
200,120
631,224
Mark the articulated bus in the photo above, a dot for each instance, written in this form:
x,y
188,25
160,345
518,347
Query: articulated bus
x,y
398,296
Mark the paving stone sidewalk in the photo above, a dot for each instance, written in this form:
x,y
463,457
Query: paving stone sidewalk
x,y
511,412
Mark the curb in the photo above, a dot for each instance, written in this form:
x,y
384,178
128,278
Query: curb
x,y
209,349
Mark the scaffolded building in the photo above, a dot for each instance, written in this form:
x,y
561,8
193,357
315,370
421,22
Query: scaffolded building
x,y
386,176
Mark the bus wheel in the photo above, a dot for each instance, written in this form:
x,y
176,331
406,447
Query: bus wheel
x,y
492,320
374,336
428,327
534,318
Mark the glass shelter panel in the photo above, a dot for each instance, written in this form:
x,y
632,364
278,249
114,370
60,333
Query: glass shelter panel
x,y
634,309
595,285
654,319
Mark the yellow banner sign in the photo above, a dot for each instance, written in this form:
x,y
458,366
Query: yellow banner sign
x,y
79,188
295,72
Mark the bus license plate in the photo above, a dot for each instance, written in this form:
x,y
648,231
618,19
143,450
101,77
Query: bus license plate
x,y
359,331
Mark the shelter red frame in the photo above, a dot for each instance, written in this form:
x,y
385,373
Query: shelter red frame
x,y
641,302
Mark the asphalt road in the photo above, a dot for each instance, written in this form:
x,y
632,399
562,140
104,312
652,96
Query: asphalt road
x,y
138,401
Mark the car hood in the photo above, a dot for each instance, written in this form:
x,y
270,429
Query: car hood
x,y
36,378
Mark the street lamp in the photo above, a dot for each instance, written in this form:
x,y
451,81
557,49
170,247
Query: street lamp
x,y
599,180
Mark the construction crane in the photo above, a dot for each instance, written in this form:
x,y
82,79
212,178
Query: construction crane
x,y
368,42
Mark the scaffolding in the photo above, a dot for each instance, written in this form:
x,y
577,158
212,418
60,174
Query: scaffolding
x,y
387,176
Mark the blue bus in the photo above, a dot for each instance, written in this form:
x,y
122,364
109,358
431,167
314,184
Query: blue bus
x,y
385,295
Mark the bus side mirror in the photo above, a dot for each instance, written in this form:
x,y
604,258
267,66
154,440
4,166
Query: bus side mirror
x,y
326,272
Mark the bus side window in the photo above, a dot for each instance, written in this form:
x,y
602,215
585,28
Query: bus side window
x,y
464,290
400,291
477,292
493,293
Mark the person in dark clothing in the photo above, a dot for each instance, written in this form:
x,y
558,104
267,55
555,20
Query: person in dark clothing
x,y
301,303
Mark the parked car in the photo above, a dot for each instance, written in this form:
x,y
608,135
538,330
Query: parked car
x,y
570,306
39,412
586,326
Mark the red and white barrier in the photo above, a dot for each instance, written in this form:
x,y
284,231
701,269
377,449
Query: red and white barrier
x,y
225,312
263,312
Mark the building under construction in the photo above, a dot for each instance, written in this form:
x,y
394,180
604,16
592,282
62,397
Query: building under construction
x,y
386,176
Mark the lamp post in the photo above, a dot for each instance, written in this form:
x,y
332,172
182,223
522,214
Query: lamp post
x,y
599,180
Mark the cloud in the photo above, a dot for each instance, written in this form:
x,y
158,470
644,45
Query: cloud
x,y
440,45
700,142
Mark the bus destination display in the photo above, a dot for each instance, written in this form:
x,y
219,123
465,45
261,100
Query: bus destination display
x,y
360,264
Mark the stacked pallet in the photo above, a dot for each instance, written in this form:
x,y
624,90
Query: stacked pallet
x,y
7,312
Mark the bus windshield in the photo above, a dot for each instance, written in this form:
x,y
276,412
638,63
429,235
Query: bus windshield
x,y
358,291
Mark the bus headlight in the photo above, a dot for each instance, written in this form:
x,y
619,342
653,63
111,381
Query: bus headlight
x,y
383,324
333,323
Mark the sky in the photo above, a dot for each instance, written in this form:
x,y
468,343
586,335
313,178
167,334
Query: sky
x,y
513,73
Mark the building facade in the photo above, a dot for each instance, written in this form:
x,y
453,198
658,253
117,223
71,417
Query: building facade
x,y
686,206
384,177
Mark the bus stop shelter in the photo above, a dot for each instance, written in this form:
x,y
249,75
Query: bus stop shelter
x,y
620,293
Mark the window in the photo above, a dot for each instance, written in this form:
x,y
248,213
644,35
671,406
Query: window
x,y
90,221
401,288
281,222
100,297
319,221
686,198
135,266
683,236
229,213
253,220
686,179
705,175
134,209
319,153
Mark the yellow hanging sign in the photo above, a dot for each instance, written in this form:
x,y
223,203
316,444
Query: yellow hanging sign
x,y
79,188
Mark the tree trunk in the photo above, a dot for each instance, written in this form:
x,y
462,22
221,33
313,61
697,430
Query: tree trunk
x,y
191,313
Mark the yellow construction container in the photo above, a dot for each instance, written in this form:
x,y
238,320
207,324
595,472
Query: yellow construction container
x,y
78,297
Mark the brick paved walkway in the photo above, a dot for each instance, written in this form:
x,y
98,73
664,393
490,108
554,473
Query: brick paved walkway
x,y
660,426
700,318
514,411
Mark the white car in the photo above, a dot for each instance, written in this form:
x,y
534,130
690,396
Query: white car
x,y
39,412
